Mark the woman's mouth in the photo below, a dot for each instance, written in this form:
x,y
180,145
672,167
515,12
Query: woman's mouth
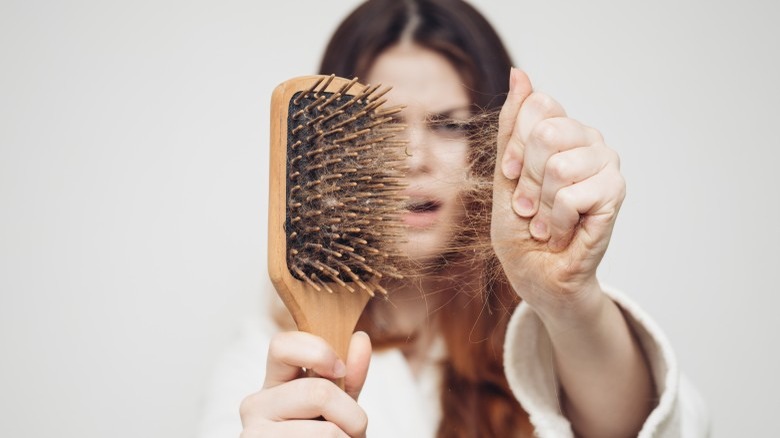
x,y
421,213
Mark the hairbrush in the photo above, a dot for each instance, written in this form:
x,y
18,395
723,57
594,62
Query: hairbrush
x,y
336,182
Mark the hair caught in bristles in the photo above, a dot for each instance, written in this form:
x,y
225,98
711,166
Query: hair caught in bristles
x,y
345,177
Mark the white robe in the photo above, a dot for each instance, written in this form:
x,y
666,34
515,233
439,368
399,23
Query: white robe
x,y
398,404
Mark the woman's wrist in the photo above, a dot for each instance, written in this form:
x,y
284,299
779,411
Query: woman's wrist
x,y
575,310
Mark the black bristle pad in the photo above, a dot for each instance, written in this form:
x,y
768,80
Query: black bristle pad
x,y
343,186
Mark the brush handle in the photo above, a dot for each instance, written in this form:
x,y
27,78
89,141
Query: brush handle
x,y
332,317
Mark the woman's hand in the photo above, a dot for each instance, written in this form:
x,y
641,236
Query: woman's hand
x,y
289,406
557,192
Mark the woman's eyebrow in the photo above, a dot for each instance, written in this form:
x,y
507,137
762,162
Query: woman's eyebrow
x,y
451,113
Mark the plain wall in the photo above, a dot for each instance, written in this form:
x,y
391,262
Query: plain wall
x,y
133,169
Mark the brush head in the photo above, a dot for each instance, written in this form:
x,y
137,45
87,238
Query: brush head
x,y
343,180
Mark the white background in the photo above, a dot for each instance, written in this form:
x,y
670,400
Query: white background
x,y
133,145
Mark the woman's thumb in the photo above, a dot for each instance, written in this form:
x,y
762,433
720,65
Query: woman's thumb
x,y
358,359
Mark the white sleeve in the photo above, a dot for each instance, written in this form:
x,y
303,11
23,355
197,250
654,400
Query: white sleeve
x,y
680,412
239,372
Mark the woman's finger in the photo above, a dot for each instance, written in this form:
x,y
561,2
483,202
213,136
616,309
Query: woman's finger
x,y
305,398
291,351
565,169
536,107
549,138
519,89
294,429
597,199
358,359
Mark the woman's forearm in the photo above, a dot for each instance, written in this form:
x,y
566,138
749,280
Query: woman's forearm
x,y
605,383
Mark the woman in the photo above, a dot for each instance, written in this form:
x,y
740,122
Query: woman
x,y
517,339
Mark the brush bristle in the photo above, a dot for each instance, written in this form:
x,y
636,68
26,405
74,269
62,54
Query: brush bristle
x,y
344,184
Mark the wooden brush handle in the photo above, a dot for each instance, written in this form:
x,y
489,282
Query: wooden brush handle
x,y
332,317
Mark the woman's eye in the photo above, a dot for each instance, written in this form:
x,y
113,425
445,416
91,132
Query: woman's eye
x,y
450,127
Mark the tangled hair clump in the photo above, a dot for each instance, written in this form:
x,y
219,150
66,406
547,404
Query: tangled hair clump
x,y
476,399
475,396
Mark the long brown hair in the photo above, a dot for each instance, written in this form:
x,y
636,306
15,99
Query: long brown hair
x,y
475,398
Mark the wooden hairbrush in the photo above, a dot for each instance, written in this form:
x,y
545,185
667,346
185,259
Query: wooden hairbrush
x,y
336,179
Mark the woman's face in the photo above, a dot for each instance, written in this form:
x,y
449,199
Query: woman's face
x,y
435,99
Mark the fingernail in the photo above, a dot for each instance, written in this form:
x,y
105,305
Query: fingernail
x,y
512,169
539,229
339,369
523,206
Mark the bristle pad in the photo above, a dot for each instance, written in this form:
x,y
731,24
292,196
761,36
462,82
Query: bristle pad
x,y
344,184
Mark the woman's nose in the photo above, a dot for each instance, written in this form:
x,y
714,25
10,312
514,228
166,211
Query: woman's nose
x,y
417,154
